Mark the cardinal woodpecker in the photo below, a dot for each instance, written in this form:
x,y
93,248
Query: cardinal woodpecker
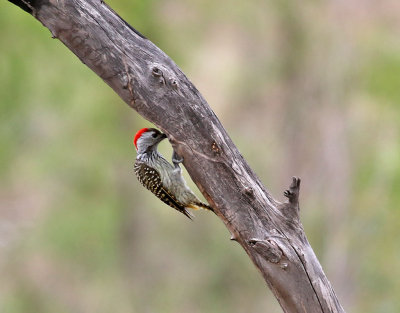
x,y
160,177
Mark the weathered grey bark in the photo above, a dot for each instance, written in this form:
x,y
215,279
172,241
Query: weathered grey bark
x,y
151,83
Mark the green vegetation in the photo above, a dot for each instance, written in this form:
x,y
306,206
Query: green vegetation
x,y
315,87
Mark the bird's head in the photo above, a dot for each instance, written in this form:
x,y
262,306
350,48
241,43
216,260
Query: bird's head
x,y
147,139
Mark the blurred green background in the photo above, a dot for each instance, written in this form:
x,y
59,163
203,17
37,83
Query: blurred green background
x,y
304,88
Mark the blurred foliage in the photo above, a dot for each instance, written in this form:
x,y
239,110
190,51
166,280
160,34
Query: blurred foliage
x,y
315,86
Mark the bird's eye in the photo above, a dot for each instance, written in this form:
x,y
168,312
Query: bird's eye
x,y
154,135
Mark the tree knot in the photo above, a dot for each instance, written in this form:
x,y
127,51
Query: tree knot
x,y
266,248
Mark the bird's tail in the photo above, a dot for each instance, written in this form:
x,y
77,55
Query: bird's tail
x,y
188,214
200,205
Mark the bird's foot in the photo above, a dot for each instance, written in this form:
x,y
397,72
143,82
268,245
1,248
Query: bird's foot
x,y
176,159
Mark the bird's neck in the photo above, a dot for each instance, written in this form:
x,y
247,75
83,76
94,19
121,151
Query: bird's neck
x,y
148,155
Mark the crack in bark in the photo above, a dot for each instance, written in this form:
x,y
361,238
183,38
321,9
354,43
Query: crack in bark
x,y
129,83
115,44
308,276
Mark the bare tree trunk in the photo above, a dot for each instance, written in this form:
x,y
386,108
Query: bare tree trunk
x,y
151,83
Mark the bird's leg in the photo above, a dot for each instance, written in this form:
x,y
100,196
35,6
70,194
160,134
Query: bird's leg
x,y
176,159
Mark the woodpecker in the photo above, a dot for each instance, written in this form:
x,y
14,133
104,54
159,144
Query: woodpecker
x,y
160,177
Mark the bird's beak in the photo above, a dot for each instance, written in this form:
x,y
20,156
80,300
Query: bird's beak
x,y
162,136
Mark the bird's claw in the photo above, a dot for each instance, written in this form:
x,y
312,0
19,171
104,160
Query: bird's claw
x,y
176,159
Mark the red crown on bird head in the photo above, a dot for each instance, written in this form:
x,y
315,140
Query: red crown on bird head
x,y
137,136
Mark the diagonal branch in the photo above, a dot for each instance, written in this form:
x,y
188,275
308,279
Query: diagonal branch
x,y
151,83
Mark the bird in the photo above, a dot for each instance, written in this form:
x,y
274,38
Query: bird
x,y
164,180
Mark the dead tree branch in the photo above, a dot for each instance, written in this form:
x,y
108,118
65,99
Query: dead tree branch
x,y
151,83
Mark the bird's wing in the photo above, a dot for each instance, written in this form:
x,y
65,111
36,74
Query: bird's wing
x,y
150,178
